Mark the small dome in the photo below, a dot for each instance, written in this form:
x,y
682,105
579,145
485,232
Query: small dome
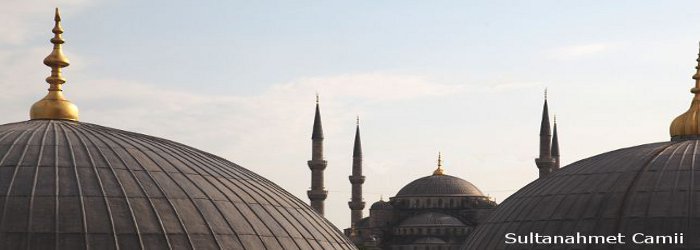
x,y
381,205
439,185
71,185
431,219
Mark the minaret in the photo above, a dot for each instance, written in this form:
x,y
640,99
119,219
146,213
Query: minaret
x,y
545,161
356,203
54,105
555,146
317,194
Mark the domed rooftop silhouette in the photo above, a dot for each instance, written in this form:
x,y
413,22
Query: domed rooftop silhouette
x,y
439,184
66,184
651,189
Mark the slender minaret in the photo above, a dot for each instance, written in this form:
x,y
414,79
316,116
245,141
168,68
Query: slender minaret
x,y
356,203
317,194
555,146
545,162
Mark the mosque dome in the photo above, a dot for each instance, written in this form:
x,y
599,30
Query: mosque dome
x,y
66,184
439,185
81,185
431,219
651,189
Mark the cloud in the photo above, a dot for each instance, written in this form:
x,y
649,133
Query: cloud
x,y
375,86
578,51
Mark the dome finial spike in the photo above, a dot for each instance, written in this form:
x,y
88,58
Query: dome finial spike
x,y
54,105
686,125
357,122
439,170
316,97
545,94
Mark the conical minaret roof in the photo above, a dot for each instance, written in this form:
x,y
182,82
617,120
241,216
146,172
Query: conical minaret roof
x,y
544,125
318,128
357,149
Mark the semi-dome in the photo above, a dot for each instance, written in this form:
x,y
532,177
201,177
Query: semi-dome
x,y
430,219
439,185
78,185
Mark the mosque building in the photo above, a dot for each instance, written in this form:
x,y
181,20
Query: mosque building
x,y
438,211
67,184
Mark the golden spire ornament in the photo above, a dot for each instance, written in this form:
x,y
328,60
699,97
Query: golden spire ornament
x,y
54,106
687,125
439,170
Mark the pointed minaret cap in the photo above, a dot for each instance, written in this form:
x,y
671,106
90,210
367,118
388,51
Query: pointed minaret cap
x,y
439,170
357,148
318,128
687,126
544,126
54,106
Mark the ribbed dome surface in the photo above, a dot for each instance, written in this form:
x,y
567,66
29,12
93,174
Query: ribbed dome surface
x,y
652,189
67,185
431,219
439,185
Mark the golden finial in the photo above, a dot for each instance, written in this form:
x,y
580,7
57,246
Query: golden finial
x,y
687,125
54,105
439,170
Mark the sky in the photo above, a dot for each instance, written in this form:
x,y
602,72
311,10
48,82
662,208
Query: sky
x,y
239,78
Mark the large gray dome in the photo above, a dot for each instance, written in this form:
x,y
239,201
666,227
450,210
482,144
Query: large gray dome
x,y
652,189
69,185
439,185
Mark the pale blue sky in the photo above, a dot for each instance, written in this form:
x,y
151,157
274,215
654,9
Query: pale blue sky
x,y
238,79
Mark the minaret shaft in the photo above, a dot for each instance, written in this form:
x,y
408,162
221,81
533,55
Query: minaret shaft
x,y
317,194
356,204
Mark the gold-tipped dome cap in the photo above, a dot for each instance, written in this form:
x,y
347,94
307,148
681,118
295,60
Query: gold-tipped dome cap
x,y
54,106
687,125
